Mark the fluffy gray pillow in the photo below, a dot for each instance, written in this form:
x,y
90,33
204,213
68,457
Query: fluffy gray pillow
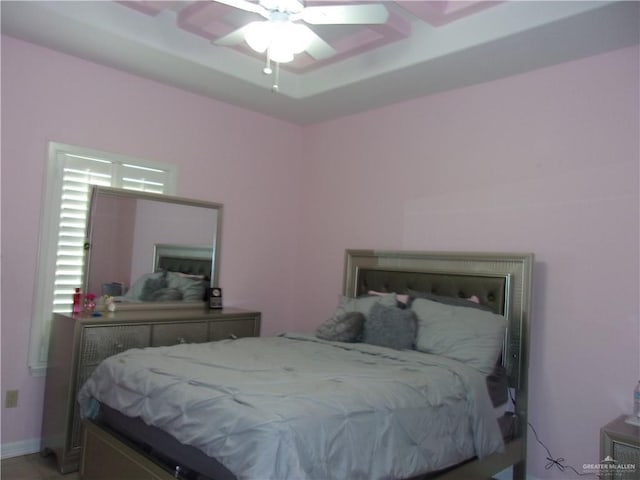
x,y
152,285
390,327
465,334
134,293
363,304
346,328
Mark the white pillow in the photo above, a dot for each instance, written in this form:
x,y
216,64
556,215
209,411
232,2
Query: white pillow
x,y
469,335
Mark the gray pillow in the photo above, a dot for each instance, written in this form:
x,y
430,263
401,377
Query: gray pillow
x,y
390,327
165,294
465,334
152,285
363,304
134,293
192,287
346,328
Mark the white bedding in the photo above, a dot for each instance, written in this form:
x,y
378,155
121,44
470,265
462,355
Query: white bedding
x,y
296,407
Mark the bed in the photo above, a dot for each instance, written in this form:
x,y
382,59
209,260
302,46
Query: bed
x,y
181,273
411,414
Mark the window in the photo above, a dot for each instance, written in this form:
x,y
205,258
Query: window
x,y
71,172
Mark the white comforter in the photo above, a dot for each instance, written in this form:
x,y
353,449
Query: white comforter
x,y
295,407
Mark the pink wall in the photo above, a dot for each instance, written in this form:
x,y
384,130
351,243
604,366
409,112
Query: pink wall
x,y
49,96
112,230
161,223
545,162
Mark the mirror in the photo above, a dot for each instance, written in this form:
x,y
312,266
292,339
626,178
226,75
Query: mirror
x,y
150,250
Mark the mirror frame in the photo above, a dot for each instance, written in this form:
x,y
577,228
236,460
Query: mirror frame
x,y
139,195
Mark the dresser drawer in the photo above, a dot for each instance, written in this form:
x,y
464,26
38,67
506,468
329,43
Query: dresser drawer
x,y
242,327
183,332
621,442
626,453
99,343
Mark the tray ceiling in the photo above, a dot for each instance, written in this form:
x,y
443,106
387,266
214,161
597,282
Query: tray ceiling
x,y
425,47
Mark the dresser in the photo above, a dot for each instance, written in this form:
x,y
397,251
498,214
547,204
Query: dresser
x,y
621,441
78,344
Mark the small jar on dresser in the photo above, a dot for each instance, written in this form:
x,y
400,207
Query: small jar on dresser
x,y
620,446
78,344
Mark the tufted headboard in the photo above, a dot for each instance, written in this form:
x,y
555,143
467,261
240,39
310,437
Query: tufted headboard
x,y
189,259
490,290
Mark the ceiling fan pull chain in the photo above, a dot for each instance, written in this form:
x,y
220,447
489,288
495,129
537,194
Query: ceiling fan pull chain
x,y
267,68
276,80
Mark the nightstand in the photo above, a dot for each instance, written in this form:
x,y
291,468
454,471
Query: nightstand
x,y
621,442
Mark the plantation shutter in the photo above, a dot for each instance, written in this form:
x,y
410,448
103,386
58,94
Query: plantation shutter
x,y
144,179
79,175
71,174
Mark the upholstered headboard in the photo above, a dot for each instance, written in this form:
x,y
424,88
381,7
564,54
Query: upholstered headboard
x,y
189,259
490,290
501,281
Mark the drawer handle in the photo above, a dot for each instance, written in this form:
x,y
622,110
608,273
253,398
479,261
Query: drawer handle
x,y
232,336
181,340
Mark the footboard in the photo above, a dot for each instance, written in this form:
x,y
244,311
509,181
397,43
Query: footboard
x,y
106,457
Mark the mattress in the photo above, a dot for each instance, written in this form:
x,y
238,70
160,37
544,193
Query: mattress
x,y
298,407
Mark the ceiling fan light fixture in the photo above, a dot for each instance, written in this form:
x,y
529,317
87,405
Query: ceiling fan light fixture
x,y
297,36
280,53
281,39
258,35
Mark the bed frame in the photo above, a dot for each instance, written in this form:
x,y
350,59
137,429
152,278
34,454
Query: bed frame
x,y
501,281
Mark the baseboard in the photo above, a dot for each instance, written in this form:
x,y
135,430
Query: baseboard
x,y
23,447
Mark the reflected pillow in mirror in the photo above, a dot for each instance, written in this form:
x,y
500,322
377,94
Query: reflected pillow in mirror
x,y
192,287
133,294
165,294
151,286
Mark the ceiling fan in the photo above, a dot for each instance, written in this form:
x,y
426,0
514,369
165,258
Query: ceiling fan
x,y
281,35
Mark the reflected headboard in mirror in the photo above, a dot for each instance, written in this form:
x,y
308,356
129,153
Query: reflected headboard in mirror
x,y
187,259
131,234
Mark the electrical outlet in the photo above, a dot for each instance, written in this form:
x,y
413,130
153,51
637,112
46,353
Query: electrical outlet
x,y
11,399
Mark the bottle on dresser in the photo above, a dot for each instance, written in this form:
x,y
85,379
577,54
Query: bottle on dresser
x,y
77,302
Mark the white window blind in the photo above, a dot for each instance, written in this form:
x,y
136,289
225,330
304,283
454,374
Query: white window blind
x,y
71,174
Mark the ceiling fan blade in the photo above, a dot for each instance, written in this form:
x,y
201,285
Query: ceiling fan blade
x,y
234,38
318,48
344,14
246,6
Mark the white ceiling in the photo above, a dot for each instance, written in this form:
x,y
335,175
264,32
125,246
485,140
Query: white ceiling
x,y
483,44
